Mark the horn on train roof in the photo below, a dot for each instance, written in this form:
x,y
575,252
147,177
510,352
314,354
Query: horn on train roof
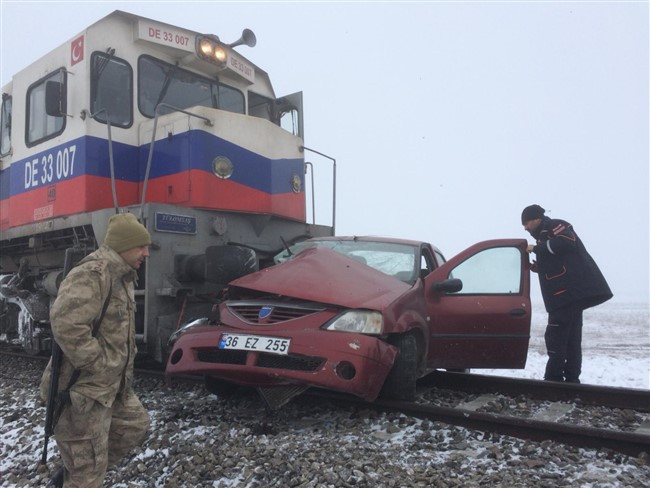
x,y
247,37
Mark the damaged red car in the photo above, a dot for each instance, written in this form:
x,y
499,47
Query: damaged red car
x,y
364,315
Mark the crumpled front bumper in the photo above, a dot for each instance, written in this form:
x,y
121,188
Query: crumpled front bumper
x,y
346,362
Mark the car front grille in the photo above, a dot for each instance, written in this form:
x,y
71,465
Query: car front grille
x,y
216,355
292,363
264,360
265,313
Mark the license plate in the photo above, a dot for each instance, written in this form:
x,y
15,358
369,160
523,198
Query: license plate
x,y
245,342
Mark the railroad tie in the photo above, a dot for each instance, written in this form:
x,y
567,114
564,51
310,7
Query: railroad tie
x,y
644,428
554,411
478,402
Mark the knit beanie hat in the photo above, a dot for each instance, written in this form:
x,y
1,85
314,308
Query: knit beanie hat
x,y
125,232
532,212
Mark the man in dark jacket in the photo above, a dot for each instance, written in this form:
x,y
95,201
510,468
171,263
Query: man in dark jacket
x,y
570,282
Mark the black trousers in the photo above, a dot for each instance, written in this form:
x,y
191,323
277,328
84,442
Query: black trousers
x,y
564,344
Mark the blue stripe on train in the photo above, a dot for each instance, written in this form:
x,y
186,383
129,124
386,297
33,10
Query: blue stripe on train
x,y
190,150
250,169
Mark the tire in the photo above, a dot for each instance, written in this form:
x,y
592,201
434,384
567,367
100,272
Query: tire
x,y
401,381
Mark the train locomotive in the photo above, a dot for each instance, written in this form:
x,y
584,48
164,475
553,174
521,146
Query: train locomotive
x,y
177,127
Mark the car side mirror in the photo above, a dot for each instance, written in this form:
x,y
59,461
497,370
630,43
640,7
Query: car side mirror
x,y
451,285
56,103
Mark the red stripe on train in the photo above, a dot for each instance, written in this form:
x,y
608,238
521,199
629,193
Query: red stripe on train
x,y
198,189
79,195
193,189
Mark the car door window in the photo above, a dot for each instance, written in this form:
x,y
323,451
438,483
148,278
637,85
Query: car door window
x,y
492,271
427,264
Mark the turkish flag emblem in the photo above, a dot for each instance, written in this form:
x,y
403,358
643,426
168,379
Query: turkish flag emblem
x,y
77,50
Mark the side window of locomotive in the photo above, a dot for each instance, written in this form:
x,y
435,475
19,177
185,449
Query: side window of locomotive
x,y
289,121
494,271
230,99
5,126
266,108
259,106
40,126
160,82
111,90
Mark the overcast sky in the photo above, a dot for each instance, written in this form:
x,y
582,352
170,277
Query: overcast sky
x,y
445,119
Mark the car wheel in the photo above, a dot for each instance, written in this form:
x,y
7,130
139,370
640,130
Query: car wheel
x,y
400,382
219,387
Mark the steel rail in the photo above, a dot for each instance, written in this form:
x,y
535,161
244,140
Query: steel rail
x,y
608,396
630,443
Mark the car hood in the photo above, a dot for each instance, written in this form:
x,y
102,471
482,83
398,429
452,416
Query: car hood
x,y
325,276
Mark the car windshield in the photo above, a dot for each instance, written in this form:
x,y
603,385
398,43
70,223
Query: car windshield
x,y
393,259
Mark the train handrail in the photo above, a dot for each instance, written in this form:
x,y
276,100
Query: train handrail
x,y
111,162
305,148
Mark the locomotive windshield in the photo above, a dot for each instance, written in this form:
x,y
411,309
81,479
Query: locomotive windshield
x,y
160,82
111,94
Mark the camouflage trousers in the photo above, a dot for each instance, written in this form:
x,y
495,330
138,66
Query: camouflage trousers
x,y
92,437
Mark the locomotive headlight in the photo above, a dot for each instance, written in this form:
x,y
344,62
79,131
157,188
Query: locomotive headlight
x,y
206,48
222,167
296,183
220,54
210,49
359,321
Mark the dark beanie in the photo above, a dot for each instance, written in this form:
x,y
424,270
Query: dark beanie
x,y
532,212
125,232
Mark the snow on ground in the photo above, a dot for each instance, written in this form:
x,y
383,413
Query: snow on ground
x,y
616,352
615,346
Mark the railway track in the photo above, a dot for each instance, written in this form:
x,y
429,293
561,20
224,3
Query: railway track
x,y
552,418
609,396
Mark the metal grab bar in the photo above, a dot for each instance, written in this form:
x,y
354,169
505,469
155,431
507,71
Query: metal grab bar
x,y
304,148
111,163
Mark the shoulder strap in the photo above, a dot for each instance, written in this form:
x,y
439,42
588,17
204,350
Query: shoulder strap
x,y
104,308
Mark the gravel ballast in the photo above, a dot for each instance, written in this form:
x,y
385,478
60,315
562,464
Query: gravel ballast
x,y
201,440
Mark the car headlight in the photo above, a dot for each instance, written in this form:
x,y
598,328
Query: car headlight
x,y
359,321
177,333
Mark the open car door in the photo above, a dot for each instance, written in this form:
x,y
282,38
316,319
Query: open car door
x,y
487,323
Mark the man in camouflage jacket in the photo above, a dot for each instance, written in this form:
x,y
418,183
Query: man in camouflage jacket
x,y
104,419
570,282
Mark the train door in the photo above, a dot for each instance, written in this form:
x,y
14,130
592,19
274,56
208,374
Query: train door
x,y
487,322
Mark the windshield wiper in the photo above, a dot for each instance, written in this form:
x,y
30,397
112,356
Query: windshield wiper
x,y
165,86
286,246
